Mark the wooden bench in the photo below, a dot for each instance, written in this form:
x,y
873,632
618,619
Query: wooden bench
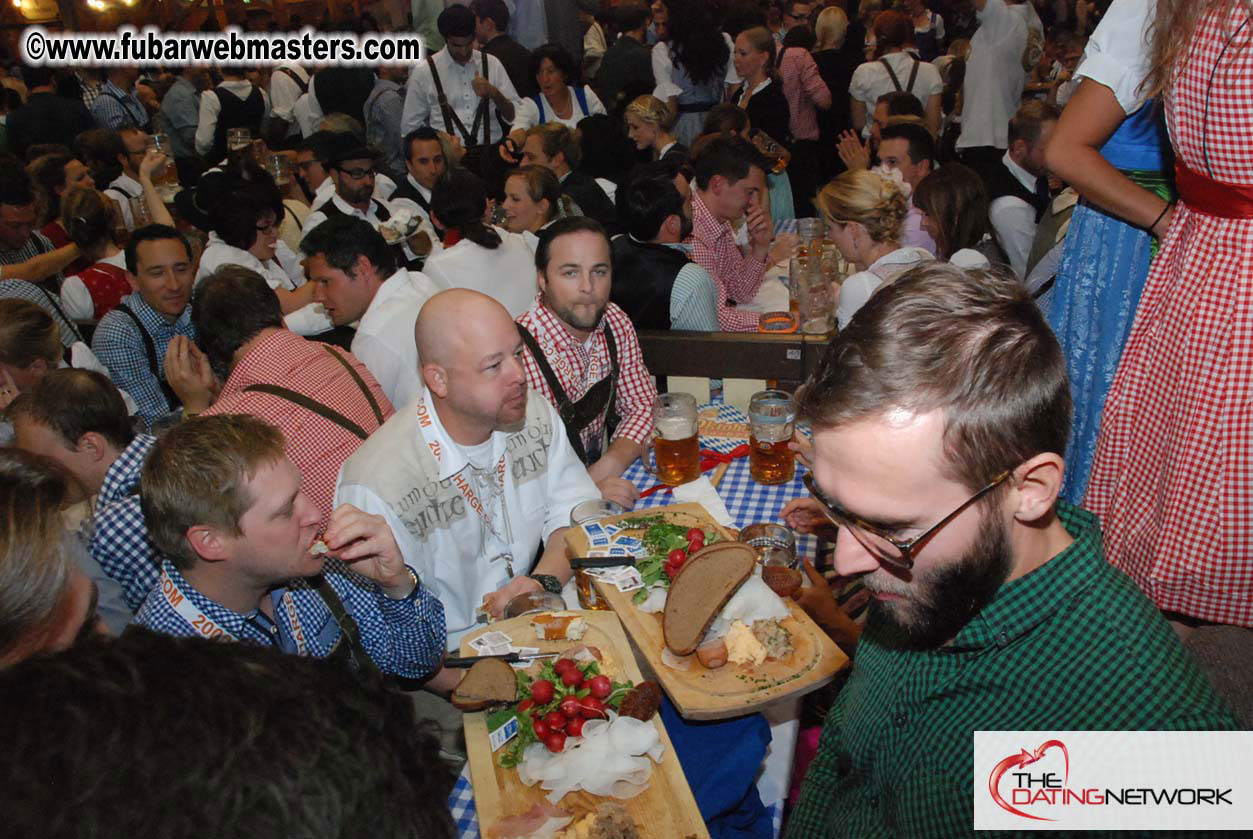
x,y
787,360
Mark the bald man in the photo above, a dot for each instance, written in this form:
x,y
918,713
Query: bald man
x,y
477,473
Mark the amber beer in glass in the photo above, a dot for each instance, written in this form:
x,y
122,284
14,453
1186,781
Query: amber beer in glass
x,y
676,443
772,419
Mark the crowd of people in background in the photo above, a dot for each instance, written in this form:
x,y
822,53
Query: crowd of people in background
x,y
395,310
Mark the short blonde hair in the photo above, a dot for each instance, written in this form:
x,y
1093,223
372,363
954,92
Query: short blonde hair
x,y
198,473
831,28
871,200
651,110
27,334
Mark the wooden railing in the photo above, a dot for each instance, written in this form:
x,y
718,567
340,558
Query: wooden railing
x,y
787,360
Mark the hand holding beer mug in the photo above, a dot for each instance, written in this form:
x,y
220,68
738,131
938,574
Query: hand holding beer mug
x,y
771,419
675,441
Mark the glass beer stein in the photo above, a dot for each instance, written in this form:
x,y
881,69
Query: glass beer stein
x,y
771,419
675,443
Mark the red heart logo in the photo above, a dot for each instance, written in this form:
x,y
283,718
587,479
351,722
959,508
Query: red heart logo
x,y
1024,758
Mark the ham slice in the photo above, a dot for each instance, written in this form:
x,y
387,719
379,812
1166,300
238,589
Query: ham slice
x,y
542,821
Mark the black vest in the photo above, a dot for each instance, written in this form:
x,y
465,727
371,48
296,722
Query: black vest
x,y
1001,182
343,90
643,277
236,113
405,189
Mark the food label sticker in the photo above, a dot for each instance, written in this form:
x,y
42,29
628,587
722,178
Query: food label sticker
x,y
612,530
629,579
629,542
502,727
620,550
594,552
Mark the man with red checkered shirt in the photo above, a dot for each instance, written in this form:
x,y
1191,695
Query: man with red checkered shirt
x,y
583,355
730,181
323,399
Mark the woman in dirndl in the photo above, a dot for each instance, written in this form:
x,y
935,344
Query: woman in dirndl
x,y
1109,146
1173,475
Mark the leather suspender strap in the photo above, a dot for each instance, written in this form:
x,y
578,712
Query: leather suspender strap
x,y
151,350
554,384
896,82
356,377
450,115
291,74
308,404
350,633
52,301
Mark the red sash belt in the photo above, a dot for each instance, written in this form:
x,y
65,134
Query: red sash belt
x,y
1214,198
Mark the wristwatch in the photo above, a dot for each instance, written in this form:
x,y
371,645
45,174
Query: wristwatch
x,y
547,582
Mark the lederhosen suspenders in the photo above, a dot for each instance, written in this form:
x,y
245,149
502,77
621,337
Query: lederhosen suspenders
x,y
576,416
450,116
913,74
151,349
348,647
325,411
291,74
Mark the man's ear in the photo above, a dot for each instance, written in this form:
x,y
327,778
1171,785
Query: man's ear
x,y
206,542
541,280
673,225
1036,484
436,378
92,444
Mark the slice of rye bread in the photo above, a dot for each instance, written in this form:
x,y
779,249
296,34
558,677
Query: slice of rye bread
x,y
704,585
488,682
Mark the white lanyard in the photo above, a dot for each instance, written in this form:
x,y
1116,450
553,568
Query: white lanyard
x,y
196,619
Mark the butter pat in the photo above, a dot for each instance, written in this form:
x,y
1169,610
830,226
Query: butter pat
x,y
743,646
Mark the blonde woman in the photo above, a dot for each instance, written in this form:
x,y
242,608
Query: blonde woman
x,y
865,216
837,60
649,124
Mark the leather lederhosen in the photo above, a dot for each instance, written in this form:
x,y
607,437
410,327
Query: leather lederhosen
x,y
576,416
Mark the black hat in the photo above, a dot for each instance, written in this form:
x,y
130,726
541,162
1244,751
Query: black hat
x,y
346,146
456,21
195,203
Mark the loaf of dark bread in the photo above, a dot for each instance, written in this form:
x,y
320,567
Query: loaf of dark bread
x,y
709,578
489,682
641,701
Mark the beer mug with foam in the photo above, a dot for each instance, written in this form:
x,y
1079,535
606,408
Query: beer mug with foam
x,y
771,420
675,442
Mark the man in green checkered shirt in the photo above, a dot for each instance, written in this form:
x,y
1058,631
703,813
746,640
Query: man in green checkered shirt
x,y
939,415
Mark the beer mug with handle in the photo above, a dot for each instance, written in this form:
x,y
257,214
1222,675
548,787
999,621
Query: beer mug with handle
x,y
675,443
771,420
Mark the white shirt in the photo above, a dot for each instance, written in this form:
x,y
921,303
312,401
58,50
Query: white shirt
x,y
505,273
302,113
211,106
384,341
284,91
1013,220
424,223
122,190
594,48
422,101
860,287
284,271
76,299
458,556
871,80
527,114
994,77
1035,33
318,214
1117,54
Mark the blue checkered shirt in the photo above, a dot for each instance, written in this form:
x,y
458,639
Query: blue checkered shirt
x,y
120,348
404,637
110,113
119,542
44,299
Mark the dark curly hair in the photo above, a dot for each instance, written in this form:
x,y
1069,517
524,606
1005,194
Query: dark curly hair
x,y
695,41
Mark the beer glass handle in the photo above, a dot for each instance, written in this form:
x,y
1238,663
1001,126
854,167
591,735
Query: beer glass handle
x,y
648,457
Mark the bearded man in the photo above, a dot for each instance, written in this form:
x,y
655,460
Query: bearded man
x,y
583,354
939,418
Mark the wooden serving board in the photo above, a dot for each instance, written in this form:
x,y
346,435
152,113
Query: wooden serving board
x,y
733,689
666,810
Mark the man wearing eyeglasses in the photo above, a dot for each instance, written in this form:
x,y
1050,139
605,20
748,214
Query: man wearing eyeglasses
x,y
939,415
351,166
